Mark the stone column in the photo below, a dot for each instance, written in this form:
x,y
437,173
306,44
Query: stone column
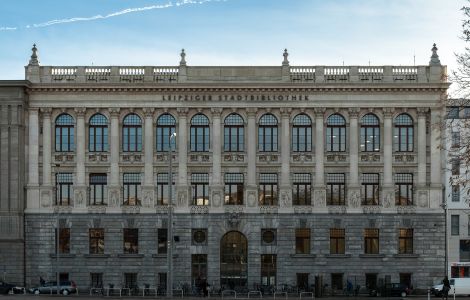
x,y
436,159
354,191
33,157
217,181
114,188
79,189
182,147
319,187
422,112
147,188
388,188
251,187
46,188
285,187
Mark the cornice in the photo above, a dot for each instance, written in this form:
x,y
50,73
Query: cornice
x,y
438,88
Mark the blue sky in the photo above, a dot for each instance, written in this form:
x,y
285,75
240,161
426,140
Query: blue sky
x,y
231,32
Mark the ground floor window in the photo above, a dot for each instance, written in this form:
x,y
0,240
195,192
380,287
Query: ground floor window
x,y
337,281
371,281
268,269
302,281
464,250
405,278
233,260
130,280
96,280
198,268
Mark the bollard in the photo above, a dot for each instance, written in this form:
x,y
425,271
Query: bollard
x,y
429,294
454,292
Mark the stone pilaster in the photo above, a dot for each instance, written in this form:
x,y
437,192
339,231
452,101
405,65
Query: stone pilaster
x,y
388,191
251,187
114,191
285,187
354,190
216,190
33,158
319,195
79,189
182,190
422,112
436,161
148,192
46,188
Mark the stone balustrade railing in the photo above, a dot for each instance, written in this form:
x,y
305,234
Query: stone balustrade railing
x,y
198,74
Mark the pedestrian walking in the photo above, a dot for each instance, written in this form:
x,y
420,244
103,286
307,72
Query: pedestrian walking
x,y
445,287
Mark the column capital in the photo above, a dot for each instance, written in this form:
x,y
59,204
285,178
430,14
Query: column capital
x,y
422,111
354,112
148,112
319,111
251,111
46,112
114,111
285,112
388,112
80,111
216,111
33,110
182,111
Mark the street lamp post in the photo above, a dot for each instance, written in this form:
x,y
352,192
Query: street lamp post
x,y
169,287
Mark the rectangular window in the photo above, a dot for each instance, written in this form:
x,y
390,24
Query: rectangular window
x,y
130,280
233,189
302,241
96,240
405,241
198,267
162,189
403,189
200,188
98,189
455,166
302,281
335,189
268,269
337,241
371,241
162,240
464,250
64,240
131,240
268,189
337,281
456,193
96,280
131,187
454,225
370,189
455,139
63,184
302,188
453,112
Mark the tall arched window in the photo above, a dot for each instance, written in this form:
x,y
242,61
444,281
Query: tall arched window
x,y
234,133
335,133
98,133
166,126
64,133
267,133
370,133
302,134
200,133
132,133
403,133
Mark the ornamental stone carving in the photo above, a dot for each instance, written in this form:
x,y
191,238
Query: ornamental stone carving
x,y
251,199
130,209
147,198
371,209
96,209
406,209
199,209
114,198
285,199
216,199
62,209
302,209
354,199
79,198
388,199
182,199
319,198
336,209
46,199
233,219
234,209
268,209
423,199
161,209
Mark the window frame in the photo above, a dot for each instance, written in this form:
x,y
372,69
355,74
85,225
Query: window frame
x,y
370,183
234,126
268,182
162,188
96,125
165,127
335,128
63,183
370,128
403,131
95,180
301,181
337,241
455,225
131,236
405,241
200,183
234,180
64,240
95,236
131,186
197,125
129,130
302,240
400,182
371,241
301,127
331,185
268,135
64,129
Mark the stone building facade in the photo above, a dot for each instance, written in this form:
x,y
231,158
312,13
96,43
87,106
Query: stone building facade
x,y
282,174
13,101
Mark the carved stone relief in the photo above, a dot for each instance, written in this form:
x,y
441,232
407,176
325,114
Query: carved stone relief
x,y
422,199
319,198
354,199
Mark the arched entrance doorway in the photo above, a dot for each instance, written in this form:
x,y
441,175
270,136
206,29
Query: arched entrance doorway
x,y
233,260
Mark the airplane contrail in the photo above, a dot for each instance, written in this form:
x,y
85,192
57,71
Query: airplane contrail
x,y
113,14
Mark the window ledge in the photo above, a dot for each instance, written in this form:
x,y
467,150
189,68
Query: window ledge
x,y
338,255
96,255
406,255
164,255
126,255
303,255
63,255
371,255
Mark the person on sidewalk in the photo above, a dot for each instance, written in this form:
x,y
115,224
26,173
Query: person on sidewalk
x,y
445,287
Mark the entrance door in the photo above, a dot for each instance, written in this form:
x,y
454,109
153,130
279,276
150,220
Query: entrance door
x,y
233,260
